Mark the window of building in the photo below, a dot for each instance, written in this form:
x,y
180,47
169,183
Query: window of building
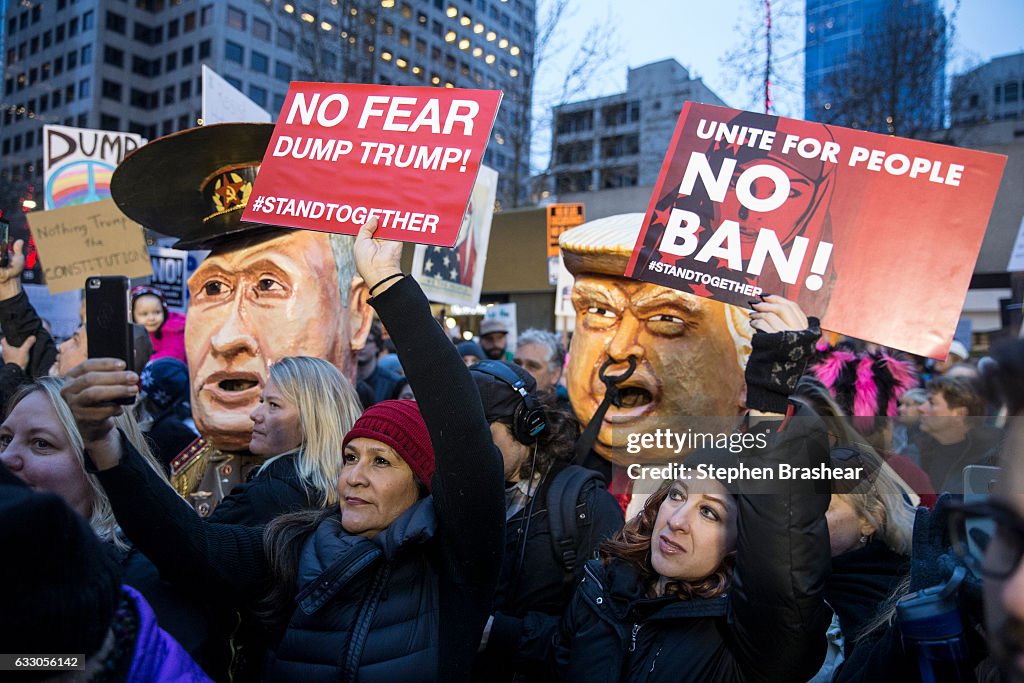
x,y
34,45
187,55
72,60
116,23
259,62
47,39
169,95
619,176
278,102
143,99
206,17
258,95
145,67
1011,91
12,26
110,90
261,29
167,127
44,102
404,38
282,71
998,95
421,46
233,52
113,56
183,121
37,13
84,88
171,62
204,49
59,35
389,28
185,90
234,82
236,18
190,22
172,28
81,120
73,27
86,55
285,39
150,35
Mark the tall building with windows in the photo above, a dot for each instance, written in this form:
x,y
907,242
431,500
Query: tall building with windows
x,y
134,65
876,64
620,140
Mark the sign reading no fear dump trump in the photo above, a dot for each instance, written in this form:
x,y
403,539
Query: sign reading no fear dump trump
x,y
342,154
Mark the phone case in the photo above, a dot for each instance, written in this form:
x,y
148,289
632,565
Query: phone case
x,y
107,324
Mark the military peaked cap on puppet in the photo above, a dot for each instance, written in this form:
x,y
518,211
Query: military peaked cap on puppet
x,y
194,184
601,246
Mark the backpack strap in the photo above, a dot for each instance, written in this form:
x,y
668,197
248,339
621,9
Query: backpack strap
x,y
562,496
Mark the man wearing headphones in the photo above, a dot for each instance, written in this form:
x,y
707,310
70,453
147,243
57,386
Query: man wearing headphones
x,y
556,516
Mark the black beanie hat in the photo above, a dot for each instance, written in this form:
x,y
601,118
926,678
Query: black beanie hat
x,y
499,399
63,583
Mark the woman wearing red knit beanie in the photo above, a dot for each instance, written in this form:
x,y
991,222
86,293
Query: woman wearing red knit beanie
x,y
393,584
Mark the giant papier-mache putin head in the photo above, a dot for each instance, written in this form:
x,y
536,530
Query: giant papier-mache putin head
x,y
690,351
264,292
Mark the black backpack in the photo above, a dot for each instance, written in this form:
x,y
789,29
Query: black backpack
x,y
562,497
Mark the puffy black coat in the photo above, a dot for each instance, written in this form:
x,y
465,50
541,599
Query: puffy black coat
x,y
409,604
771,624
271,491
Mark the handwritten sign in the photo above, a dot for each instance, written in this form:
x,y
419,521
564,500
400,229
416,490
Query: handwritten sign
x,y
78,241
875,235
342,154
78,163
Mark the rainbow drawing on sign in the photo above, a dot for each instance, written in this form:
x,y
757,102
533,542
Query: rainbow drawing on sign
x,y
79,182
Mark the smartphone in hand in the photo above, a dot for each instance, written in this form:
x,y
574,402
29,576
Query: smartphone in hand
x,y
107,322
5,244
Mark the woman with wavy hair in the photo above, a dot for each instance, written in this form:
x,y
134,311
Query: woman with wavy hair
x,y
41,445
719,580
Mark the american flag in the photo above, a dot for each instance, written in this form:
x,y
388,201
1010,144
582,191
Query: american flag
x,y
452,264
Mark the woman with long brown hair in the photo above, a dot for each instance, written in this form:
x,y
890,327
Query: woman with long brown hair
x,y
719,580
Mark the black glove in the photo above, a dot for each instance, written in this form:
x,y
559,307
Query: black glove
x,y
777,360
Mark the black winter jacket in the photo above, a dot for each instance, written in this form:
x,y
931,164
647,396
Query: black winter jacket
x,y
534,589
447,580
769,627
272,490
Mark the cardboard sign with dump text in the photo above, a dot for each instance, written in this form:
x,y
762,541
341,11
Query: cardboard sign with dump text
x,y
83,240
876,235
343,153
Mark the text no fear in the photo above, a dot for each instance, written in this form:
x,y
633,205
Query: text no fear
x,y
400,114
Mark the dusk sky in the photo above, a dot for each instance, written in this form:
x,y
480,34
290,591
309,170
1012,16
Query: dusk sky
x,y
698,34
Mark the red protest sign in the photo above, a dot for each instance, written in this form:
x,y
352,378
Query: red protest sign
x,y
875,235
344,153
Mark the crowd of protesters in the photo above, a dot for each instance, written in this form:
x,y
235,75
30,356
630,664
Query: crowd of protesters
x,y
457,536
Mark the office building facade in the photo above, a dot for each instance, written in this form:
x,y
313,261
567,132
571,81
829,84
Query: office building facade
x,y
135,65
620,140
875,64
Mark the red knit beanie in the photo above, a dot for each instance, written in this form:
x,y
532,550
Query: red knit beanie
x,y
400,425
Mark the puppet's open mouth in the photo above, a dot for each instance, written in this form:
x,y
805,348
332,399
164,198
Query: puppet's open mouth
x,y
635,396
236,384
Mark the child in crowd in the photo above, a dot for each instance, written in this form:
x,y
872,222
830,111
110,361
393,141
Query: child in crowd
x,y
166,329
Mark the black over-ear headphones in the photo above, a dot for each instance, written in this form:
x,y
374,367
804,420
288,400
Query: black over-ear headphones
x,y
529,419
